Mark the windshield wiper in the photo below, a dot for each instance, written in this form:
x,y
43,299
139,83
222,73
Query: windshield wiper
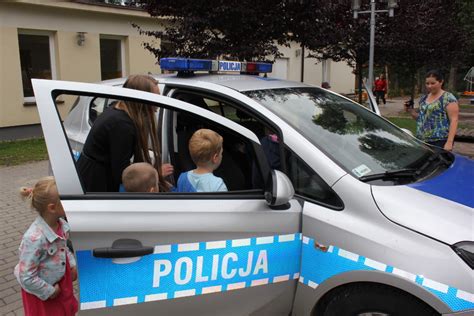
x,y
407,172
394,174
429,161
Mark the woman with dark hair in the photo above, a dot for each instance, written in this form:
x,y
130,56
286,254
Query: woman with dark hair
x,y
125,130
437,114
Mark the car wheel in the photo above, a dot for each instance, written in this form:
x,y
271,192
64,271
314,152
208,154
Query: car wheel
x,y
365,299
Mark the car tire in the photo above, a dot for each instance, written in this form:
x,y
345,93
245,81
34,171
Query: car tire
x,y
367,299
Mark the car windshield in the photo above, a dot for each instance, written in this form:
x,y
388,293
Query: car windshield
x,y
356,138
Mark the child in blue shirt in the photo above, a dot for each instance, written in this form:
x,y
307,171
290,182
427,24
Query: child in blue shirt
x,y
205,148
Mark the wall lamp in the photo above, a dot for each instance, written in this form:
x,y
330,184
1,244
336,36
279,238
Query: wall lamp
x,y
81,38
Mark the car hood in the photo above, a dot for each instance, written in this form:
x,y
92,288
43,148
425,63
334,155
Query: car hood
x,y
440,207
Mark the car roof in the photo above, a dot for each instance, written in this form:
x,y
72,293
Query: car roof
x,y
233,81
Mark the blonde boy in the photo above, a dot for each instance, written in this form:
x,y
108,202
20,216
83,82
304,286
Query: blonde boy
x,y
205,148
140,177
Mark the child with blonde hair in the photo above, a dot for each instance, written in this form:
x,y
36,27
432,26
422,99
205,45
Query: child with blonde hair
x,y
205,148
47,267
140,177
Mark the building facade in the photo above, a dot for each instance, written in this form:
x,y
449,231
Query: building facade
x,y
89,41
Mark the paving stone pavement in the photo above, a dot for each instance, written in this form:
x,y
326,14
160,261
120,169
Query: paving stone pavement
x,y
15,218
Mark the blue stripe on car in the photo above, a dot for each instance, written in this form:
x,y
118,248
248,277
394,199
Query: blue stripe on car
x,y
318,266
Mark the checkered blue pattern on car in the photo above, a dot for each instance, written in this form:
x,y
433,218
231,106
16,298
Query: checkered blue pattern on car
x,y
318,266
182,270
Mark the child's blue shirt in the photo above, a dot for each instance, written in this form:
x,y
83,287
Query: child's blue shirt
x,y
206,182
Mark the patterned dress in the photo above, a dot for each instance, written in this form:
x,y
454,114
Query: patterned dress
x,y
433,122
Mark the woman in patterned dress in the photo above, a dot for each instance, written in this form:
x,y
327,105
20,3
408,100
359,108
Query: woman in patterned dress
x,y
437,114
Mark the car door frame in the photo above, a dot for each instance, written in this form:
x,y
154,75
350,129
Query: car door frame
x,y
251,222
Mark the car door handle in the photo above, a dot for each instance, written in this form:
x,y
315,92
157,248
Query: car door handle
x,y
123,248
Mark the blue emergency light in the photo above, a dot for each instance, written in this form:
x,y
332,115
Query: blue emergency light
x,y
185,64
188,65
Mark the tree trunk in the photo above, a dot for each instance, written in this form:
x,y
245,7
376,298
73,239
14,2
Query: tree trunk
x,y
359,80
395,81
452,78
413,80
421,80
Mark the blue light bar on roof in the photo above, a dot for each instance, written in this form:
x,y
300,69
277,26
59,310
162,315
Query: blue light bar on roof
x,y
185,64
190,65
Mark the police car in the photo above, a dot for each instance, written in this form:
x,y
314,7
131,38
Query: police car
x,y
331,209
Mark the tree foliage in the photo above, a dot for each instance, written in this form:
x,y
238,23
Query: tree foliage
x,y
422,34
241,29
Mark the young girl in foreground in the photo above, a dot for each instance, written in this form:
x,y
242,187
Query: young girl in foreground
x,y
47,267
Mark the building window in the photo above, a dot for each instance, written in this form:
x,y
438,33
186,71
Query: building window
x,y
36,58
111,58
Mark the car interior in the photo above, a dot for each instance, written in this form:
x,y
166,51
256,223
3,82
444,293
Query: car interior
x,y
238,169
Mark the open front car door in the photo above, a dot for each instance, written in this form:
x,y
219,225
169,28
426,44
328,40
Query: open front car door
x,y
230,253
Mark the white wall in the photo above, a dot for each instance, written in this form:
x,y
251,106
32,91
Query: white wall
x,y
338,74
72,62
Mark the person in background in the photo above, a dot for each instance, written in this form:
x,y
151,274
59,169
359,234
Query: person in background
x,y
140,177
47,267
437,115
409,104
380,88
125,130
205,148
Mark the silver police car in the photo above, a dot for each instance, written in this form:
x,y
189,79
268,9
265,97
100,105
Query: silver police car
x,y
330,209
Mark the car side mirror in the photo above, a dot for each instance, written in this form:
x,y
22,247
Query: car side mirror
x,y
282,191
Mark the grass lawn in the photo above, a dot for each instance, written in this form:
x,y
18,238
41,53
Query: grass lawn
x,y
21,151
402,122
410,124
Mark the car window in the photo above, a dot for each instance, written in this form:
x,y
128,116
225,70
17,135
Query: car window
x,y
239,168
97,106
226,108
357,139
74,105
308,183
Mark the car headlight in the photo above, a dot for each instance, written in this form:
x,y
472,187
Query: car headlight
x,y
465,249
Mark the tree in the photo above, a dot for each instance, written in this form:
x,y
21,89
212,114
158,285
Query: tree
x,y
422,34
346,39
464,15
236,29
